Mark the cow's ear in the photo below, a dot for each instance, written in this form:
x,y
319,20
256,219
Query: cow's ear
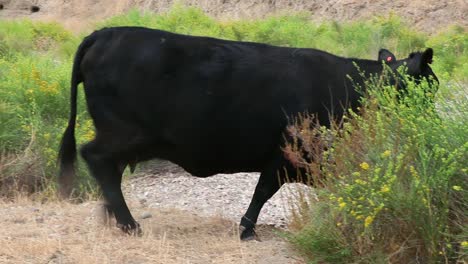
x,y
386,56
426,57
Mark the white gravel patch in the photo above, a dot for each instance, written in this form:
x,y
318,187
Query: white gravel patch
x,y
225,195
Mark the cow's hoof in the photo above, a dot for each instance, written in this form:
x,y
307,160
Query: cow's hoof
x,y
132,229
248,234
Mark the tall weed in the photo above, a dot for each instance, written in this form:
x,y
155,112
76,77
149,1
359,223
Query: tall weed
x,y
34,101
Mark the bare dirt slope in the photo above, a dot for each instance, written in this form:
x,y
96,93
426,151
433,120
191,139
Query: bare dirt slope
x,y
425,15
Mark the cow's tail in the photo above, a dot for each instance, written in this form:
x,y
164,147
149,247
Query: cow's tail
x,y
67,152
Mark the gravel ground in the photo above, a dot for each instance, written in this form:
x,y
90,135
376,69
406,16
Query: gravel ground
x,y
165,185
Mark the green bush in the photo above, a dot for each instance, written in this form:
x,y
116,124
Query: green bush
x,y
27,37
34,103
395,181
452,52
179,19
34,92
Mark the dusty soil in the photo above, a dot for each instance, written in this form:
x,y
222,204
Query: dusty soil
x,y
425,15
58,232
184,219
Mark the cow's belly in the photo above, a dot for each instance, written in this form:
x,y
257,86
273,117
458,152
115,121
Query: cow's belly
x,y
203,152
204,160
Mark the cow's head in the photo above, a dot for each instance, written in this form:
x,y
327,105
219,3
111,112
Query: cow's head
x,y
417,65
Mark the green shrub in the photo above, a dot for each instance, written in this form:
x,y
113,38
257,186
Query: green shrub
x,y
34,92
452,52
179,19
394,178
27,37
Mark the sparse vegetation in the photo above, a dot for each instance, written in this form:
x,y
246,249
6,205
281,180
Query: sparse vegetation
x,y
395,185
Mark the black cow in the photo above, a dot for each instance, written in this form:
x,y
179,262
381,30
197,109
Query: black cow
x,y
209,105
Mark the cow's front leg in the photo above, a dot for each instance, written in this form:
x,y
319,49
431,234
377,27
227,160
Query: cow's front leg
x,y
268,184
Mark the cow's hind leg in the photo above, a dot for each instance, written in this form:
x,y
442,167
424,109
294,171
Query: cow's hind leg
x,y
108,173
117,140
268,184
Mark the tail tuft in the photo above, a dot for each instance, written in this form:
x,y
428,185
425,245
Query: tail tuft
x,y
67,152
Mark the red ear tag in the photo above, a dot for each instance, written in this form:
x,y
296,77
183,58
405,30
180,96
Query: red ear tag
x,y
389,59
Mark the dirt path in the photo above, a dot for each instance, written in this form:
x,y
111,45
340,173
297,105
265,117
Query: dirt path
x,y
56,232
184,219
164,185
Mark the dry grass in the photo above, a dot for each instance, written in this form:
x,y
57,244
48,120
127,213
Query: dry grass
x,y
21,172
58,232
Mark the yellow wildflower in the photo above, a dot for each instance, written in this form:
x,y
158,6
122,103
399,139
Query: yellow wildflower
x,y
35,74
89,135
385,189
464,244
368,221
457,188
378,209
425,202
386,153
413,171
364,165
342,205
359,181
338,224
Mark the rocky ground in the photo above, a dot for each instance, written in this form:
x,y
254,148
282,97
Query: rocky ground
x,y
165,185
